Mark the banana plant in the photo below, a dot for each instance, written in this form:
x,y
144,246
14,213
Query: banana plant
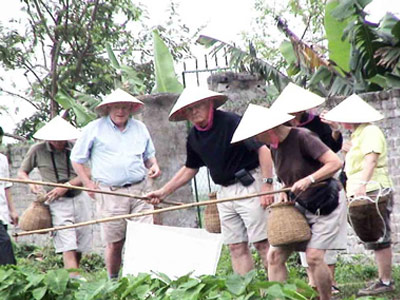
x,y
248,61
128,78
363,56
166,79
81,104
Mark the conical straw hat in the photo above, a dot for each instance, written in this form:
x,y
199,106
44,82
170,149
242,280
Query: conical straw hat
x,y
295,99
191,95
258,119
57,129
119,96
353,110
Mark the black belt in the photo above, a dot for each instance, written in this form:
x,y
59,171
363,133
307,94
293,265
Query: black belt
x,y
230,182
126,185
234,180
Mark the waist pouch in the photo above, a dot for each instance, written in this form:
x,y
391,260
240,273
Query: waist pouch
x,y
322,200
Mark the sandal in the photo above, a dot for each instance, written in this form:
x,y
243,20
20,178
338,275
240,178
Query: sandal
x,y
335,290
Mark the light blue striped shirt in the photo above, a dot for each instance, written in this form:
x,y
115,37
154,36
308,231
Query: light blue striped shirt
x,y
115,157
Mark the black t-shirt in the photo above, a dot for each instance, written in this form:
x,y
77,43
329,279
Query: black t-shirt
x,y
324,132
213,149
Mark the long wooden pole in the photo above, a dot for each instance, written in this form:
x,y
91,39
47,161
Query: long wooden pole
x,y
150,212
67,186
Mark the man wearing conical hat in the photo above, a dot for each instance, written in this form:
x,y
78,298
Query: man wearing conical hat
x,y
51,157
299,103
300,160
121,155
368,180
239,169
7,211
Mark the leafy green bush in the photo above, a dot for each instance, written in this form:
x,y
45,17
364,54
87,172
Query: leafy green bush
x,y
39,275
19,283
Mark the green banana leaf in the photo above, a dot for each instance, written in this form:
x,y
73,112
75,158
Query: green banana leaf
x,y
166,81
112,57
286,49
339,50
83,115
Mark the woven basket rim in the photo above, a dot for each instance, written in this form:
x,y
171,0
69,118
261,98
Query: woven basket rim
x,y
282,204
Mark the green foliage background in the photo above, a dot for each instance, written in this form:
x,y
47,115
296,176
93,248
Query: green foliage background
x,y
39,275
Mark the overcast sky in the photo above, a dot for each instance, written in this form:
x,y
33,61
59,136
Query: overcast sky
x,y
225,20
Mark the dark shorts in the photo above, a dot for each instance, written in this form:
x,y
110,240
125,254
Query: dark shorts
x,y
6,250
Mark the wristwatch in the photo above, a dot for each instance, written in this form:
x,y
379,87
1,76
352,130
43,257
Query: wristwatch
x,y
268,180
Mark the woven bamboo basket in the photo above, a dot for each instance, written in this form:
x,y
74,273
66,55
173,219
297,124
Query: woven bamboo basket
x,y
286,225
36,216
211,216
365,219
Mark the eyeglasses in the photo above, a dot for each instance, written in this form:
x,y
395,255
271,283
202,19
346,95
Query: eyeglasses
x,y
196,106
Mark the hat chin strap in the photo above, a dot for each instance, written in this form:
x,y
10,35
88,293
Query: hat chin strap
x,y
274,138
210,119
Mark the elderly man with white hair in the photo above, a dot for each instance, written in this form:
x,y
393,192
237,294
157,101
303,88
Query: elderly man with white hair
x,y
240,169
52,157
121,156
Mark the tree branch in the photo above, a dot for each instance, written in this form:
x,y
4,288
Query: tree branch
x,y
89,39
44,21
19,96
17,137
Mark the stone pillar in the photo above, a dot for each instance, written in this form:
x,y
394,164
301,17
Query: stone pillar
x,y
170,142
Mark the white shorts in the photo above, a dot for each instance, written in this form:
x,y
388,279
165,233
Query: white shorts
x,y
67,211
330,258
243,220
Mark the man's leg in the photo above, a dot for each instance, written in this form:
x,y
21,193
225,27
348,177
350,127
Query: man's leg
x,y
383,259
277,258
262,248
71,261
242,261
320,272
113,258
330,259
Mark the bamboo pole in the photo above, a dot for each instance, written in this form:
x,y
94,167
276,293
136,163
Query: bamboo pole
x,y
150,212
67,186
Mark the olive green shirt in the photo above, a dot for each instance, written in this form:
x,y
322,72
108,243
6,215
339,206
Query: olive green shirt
x,y
39,156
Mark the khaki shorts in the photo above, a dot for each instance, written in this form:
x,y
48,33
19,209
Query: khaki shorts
x,y
110,206
330,258
328,232
243,220
68,211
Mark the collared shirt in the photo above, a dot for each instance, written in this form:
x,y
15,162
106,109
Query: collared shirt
x,y
39,156
5,173
116,157
367,139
